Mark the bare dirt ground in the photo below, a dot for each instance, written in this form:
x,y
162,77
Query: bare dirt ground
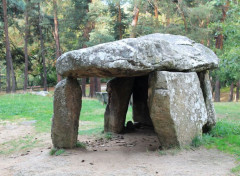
x,y
131,154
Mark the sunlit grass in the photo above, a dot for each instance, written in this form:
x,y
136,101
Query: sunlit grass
x,y
22,144
225,136
34,107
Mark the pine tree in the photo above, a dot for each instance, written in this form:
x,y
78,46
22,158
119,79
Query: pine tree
x,y
56,33
10,70
26,45
42,49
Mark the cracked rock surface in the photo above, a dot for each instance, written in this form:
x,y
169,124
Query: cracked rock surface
x,y
137,56
177,107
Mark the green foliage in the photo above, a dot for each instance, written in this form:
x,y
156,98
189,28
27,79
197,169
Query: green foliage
x,y
59,152
15,9
74,23
197,141
114,15
108,136
81,145
56,152
229,70
100,16
52,151
225,128
236,169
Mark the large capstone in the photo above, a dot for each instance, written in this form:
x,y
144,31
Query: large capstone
x,y
207,94
137,56
67,106
119,93
177,107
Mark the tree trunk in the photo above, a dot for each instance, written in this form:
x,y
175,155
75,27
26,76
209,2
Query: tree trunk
x,y
134,22
220,37
84,87
155,9
41,74
13,75
208,43
42,49
217,91
168,21
230,99
237,91
219,45
97,84
156,12
182,14
225,10
9,63
88,28
56,35
15,80
92,87
119,21
212,85
86,35
26,47
219,42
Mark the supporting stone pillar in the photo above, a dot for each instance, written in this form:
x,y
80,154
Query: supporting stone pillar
x,y
176,107
207,94
119,93
140,96
67,106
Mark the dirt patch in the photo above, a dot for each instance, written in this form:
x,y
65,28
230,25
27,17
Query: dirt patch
x,y
11,131
129,154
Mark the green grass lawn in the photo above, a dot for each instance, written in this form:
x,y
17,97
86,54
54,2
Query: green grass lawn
x,y
21,107
225,136
33,107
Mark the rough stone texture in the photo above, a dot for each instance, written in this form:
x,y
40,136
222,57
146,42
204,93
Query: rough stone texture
x,y
177,107
207,94
140,96
137,56
67,106
119,93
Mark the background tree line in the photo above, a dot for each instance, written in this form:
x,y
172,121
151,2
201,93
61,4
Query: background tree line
x,y
34,33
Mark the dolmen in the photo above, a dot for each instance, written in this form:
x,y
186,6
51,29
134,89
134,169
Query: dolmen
x,y
167,76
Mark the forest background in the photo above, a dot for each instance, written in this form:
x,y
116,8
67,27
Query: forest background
x,y
34,33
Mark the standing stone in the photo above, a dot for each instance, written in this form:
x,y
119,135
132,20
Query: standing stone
x,y
119,93
67,106
140,96
177,107
207,94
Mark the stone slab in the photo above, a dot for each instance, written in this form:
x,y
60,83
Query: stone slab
x,y
177,107
137,56
67,106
